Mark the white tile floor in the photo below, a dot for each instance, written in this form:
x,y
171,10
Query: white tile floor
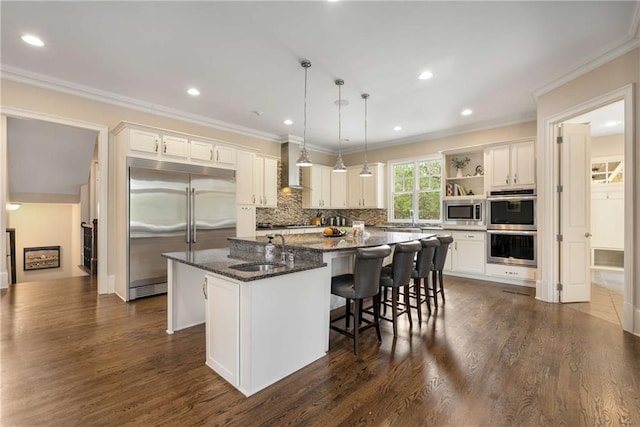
x,y
606,296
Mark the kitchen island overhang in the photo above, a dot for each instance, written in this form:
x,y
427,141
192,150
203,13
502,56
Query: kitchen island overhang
x,y
278,321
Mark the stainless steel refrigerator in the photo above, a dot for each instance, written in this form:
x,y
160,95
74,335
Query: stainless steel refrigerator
x,y
174,207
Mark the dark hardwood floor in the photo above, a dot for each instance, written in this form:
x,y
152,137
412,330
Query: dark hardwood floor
x,y
490,356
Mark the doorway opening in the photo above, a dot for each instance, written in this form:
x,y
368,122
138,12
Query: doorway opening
x,y
606,202
554,287
96,175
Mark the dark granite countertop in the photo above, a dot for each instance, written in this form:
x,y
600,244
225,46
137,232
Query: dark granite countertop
x,y
218,261
319,243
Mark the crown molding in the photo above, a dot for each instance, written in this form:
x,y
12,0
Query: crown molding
x,y
634,28
58,85
629,43
425,137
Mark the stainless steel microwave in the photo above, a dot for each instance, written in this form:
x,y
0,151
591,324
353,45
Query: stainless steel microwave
x,y
464,212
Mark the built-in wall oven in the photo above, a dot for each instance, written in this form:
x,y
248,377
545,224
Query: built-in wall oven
x,y
515,247
512,227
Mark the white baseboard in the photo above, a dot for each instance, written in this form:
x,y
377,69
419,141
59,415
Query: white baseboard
x,y
4,280
631,319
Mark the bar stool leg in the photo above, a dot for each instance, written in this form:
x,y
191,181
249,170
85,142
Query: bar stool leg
x,y
425,283
347,313
376,315
356,326
441,285
394,308
416,285
407,305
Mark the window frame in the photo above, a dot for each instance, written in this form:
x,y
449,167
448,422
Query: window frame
x,y
415,197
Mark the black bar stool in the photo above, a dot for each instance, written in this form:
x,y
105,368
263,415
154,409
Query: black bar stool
x,y
398,275
437,284
363,283
420,273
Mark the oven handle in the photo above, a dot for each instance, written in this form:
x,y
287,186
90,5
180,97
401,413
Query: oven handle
x,y
510,198
525,233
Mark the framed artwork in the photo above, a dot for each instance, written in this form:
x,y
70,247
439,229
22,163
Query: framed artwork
x,y
41,257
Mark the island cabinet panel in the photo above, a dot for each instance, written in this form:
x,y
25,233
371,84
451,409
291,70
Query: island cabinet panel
x,y
223,328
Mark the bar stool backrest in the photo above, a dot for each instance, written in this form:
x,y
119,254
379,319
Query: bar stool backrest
x,y
424,260
403,256
366,271
441,252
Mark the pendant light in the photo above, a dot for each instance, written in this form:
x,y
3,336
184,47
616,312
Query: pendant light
x,y
365,172
304,160
339,167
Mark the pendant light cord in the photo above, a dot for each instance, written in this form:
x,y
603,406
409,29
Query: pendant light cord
x,y
365,96
339,120
304,132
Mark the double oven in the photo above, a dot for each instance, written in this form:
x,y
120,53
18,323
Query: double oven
x,y
511,227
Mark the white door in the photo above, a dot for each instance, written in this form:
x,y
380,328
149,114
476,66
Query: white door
x,y
575,222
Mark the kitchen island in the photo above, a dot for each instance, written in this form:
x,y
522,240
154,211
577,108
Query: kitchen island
x,y
263,325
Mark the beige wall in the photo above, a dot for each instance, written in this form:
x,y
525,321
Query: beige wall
x,y
40,224
610,145
32,98
470,139
612,76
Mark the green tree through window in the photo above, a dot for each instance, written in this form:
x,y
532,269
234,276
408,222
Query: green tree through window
x,y
416,186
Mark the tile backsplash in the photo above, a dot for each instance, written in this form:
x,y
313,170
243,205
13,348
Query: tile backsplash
x,y
290,211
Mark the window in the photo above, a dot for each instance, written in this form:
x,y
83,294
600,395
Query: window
x,y
606,171
416,187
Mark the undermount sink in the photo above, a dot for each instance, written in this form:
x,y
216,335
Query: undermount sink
x,y
258,266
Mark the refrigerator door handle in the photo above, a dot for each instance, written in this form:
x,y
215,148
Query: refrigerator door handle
x,y
193,215
188,223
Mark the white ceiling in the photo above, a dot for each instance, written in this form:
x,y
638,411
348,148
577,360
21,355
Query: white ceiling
x,y
48,158
244,57
607,120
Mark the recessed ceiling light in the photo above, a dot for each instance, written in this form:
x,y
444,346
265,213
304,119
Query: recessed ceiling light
x,y
466,112
425,75
32,40
288,122
332,1
397,128
612,124
193,91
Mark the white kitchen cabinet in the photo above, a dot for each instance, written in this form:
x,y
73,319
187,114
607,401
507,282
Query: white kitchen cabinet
x,y
245,221
468,183
224,156
607,216
201,151
142,141
223,328
265,182
467,252
174,146
317,187
212,155
511,271
510,165
339,191
366,192
245,194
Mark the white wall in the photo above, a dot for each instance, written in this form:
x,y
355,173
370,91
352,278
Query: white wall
x,y
605,146
40,224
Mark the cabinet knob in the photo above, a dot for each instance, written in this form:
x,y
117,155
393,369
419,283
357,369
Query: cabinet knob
x,y
587,234
506,181
515,178
156,148
164,148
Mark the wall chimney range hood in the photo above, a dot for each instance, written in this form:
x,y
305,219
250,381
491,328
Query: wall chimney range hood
x,y
290,151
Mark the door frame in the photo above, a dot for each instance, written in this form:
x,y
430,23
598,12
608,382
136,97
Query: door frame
x,y
548,215
105,286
